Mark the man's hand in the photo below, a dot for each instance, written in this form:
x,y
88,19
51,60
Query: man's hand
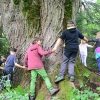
x,y
85,39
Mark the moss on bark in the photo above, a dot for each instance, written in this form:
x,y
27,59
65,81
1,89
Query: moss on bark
x,y
31,10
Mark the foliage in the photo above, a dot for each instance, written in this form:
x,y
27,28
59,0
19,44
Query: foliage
x,y
11,94
14,94
98,88
98,1
55,98
4,45
91,61
31,9
88,19
16,2
84,93
88,23
86,74
5,83
67,11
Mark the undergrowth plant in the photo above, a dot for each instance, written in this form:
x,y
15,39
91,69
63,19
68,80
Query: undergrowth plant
x,y
84,94
55,98
14,94
6,93
5,83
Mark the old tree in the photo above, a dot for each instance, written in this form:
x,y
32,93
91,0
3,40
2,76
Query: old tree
x,y
24,19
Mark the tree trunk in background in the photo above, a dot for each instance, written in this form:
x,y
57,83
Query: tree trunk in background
x,y
16,29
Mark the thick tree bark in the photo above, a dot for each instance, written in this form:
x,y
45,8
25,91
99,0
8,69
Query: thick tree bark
x,y
52,14
0,27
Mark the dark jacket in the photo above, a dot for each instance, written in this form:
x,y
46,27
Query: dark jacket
x,y
70,37
97,42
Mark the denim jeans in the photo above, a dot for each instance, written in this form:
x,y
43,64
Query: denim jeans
x,y
10,73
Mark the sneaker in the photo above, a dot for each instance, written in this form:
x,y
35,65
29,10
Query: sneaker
x,y
72,78
31,98
54,91
60,78
98,72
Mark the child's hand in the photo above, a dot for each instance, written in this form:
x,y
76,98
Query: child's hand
x,y
23,67
1,67
54,50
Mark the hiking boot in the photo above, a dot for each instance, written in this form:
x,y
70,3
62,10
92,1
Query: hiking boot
x,y
98,73
59,78
31,98
54,91
72,78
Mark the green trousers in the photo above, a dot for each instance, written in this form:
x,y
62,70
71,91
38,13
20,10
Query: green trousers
x,y
44,75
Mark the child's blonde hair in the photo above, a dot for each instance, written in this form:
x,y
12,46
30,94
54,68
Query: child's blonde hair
x,y
82,42
98,35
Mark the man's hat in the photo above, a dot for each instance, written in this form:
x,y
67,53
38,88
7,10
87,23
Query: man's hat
x,y
70,22
13,49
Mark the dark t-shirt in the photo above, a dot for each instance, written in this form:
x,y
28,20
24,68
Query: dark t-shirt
x,y
70,38
0,62
97,42
10,62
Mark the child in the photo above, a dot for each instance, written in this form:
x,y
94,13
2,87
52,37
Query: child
x,y
2,60
11,61
33,61
70,37
83,51
97,49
